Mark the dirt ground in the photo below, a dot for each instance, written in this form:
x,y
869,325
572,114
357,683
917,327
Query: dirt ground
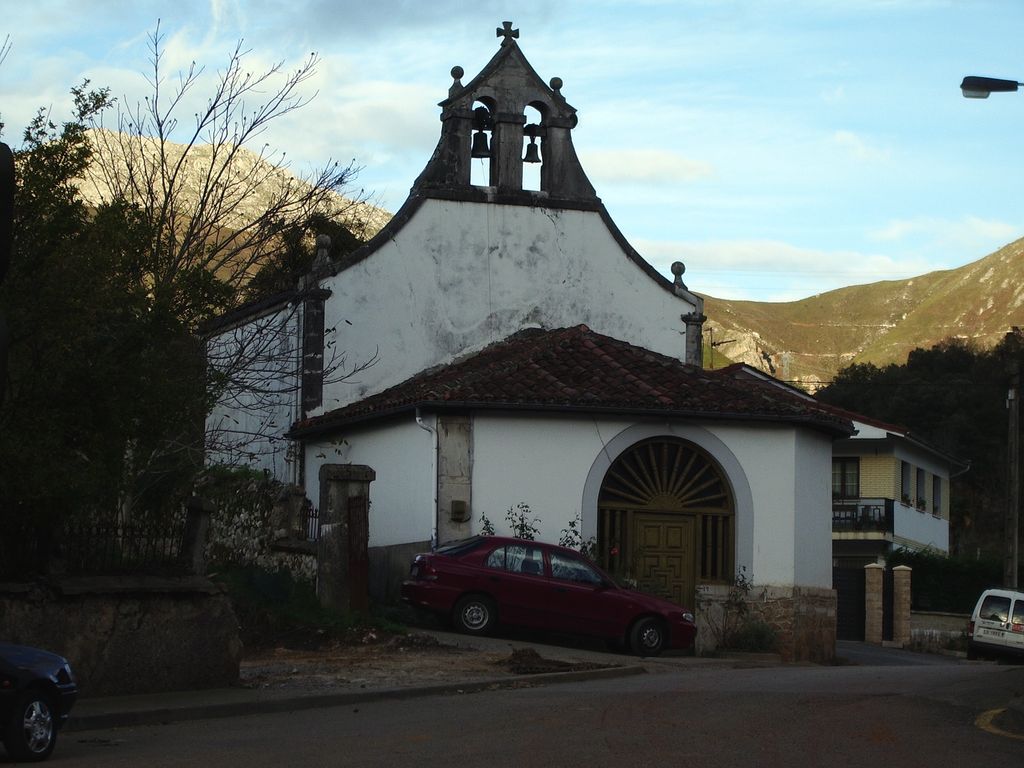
x,y
378,661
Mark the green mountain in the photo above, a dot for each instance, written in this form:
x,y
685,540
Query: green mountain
x,y
807,341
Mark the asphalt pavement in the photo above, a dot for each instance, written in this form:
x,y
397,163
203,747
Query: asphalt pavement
x,y
158,708
93,713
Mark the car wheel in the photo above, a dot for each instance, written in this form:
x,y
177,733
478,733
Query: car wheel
x,y
647,637
475,615
31,733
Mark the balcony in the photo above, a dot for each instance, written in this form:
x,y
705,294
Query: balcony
x,y
889,520
862,516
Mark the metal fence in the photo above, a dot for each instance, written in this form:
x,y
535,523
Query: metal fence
x,y
93,545
867,517
111,545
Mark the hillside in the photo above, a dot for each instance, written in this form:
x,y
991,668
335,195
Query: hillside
x,y
807,341
362,218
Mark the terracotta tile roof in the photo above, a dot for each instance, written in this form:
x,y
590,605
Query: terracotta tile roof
x,y
576,369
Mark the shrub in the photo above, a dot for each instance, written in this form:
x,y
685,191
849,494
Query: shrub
x,y
941,583
273,607
752,635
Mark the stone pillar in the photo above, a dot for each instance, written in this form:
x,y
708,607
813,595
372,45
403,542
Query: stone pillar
x,y
873,603
287,517
901,605
312,381
343,562
507,151
197,528
694,354
454,477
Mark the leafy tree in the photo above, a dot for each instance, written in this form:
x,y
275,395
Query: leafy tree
x,y
72,329
953,396
106,385
282,271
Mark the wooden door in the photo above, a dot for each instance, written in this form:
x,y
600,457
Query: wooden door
x,y
664,555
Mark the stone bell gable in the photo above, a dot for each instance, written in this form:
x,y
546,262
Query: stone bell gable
x,y
486,119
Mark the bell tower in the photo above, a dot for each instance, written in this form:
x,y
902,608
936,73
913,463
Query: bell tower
x,y
486,119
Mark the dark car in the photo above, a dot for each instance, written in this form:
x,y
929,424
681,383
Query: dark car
x,y
484,580
37,689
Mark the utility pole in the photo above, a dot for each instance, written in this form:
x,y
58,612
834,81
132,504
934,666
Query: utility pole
x,y
1012,539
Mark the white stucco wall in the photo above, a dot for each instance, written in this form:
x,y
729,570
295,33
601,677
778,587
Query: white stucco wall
x,y
402,496
915,529
540,462
261,359
790,474
780,478
919,457
458,276
812,509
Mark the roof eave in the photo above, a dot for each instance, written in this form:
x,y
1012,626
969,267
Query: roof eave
x,y
328,425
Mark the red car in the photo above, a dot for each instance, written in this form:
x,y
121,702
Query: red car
x,y
486,579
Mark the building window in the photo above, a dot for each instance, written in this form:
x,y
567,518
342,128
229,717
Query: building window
x,y
921,490
846,478
936,495
906,491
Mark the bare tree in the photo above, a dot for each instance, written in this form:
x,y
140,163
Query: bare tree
x,y
216,201
255,370
214,204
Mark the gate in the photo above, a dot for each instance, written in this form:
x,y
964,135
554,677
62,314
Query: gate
x,y
849,586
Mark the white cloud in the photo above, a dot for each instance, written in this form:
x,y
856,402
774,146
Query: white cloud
x,y
649,166
858,148
970,234
774,271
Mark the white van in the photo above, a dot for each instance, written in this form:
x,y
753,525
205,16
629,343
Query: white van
x,y
997,625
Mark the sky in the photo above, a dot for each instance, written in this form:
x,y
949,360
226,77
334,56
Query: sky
x,y
779,149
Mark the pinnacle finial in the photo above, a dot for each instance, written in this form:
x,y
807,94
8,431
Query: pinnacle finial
x,y
323,251
677,269
456,86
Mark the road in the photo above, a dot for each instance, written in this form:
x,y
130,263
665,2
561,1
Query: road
x,y
918,711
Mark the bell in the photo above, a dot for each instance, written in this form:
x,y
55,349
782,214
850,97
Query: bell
x,y
532,152
480,148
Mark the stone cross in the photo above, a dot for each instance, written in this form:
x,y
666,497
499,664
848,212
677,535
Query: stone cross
x,y
506,31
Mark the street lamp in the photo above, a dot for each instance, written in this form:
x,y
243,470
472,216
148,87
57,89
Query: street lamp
x,y
974,87
980,87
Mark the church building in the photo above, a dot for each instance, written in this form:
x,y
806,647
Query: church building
x,y
500,348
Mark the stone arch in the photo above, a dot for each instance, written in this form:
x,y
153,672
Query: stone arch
x,y
668,508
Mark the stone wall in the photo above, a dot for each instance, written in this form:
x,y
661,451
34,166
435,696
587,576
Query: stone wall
x,y
935,632
129,635
803,618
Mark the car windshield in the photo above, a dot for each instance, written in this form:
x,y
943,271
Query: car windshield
x,y
459,547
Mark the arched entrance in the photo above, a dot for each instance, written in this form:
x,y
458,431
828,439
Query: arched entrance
x,y
666,518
